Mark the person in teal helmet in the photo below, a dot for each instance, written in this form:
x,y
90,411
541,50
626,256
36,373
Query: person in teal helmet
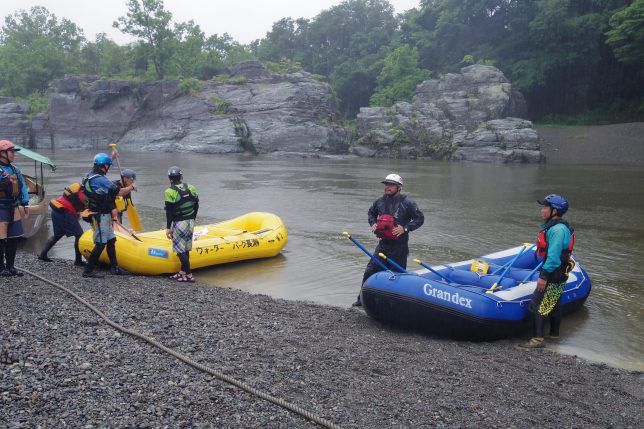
x,y
181,206
554,245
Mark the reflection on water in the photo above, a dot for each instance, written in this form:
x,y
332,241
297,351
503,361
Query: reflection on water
x,y
470,210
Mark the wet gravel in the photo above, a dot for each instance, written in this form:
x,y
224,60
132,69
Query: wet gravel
x,y
62,366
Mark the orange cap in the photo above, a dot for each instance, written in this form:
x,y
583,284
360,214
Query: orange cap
x,y
6,145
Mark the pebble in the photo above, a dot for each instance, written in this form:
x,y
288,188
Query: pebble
x,y
337,363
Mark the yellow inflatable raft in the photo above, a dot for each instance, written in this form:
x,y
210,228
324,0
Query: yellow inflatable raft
x,y
250,236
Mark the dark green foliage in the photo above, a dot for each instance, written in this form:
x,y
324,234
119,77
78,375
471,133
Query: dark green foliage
x,y
626,34
572,59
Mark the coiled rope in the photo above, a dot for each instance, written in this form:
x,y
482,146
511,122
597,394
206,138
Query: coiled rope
x,y
221,376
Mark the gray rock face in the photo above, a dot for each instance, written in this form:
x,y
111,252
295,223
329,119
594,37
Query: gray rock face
x,y
253,110
14,123
471,116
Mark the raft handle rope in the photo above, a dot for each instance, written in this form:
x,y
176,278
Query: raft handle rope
x,y
217,374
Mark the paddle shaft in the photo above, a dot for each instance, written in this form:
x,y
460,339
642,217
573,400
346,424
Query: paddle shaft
x,y
361,247
127,230
424,265
507,269
394,263
532,272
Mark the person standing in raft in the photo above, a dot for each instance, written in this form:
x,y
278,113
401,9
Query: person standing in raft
x,y
181,206
555,243
13,193
65,212
392,217
100,194
128,178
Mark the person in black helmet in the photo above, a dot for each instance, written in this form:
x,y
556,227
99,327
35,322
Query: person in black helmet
x,y
392,217
181,206
554,244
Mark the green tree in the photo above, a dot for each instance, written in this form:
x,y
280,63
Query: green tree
x,y
105,58
35,48
626,35
399,76
150,22
285,40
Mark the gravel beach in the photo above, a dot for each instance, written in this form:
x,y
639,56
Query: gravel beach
x,y
63,366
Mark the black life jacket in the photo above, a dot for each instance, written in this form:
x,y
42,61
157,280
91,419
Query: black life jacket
x,y
561,273
185,207
99,203
10,184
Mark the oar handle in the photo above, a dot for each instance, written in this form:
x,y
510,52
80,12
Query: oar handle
x,y
394,263
118,164
361,247
422,264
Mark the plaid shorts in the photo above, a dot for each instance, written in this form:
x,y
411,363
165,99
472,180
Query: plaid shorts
x,y
182,235
103,228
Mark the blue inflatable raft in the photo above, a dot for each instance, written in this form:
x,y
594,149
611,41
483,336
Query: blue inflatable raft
x,y
456,301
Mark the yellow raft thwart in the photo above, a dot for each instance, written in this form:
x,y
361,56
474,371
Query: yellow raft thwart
x,y
250,236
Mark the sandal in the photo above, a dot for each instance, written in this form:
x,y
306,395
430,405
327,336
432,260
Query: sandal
x,y
177,276
186,278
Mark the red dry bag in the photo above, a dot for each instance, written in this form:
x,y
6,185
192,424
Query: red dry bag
x,y
385,227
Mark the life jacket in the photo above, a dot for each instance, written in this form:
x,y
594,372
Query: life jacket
x,y
9,184
385,227
72,200
542,250
184,207
98,203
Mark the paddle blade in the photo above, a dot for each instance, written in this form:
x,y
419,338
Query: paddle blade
x,y
133,216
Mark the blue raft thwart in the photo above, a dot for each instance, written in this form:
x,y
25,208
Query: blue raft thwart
x,y
456,302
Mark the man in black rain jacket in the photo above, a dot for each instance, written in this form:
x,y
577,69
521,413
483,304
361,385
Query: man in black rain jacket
x,y
394,236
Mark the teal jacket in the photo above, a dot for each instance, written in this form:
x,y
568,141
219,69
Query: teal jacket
x,y
23,198
558,237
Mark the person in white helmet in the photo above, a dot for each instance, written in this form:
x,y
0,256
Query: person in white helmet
x,y
392,217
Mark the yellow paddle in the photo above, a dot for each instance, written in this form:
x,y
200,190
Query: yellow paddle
x,y
132,213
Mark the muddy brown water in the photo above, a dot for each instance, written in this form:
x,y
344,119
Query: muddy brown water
x,y
470,210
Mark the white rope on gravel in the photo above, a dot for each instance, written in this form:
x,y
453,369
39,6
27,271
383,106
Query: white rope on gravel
x,y
226,378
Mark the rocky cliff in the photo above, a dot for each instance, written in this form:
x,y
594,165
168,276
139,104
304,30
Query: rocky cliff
x,y
249,110
468,116
473,115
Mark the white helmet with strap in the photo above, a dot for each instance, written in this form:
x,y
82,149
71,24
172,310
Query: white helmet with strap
x,y
394,179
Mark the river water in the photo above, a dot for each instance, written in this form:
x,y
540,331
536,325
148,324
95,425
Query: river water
x,y
470,210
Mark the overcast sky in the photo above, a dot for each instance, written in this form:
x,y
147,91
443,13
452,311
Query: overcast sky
x,y
244,20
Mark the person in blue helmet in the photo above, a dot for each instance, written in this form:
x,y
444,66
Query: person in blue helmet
x,y
554,244
100,194
13,193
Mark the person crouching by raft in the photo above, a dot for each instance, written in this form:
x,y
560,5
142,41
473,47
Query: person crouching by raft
x,y
13,193
65,213
392,217
128,177
555,243
181,206
100,194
